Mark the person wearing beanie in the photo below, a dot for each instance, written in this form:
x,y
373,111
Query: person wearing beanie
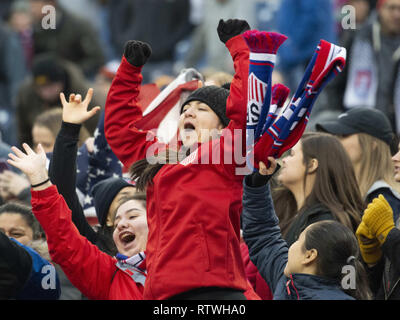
x,y
106,196
204,109
97,275
193,204
107,192
368,138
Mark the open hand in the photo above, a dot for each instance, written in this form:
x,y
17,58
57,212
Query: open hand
x,y
31,163
76,110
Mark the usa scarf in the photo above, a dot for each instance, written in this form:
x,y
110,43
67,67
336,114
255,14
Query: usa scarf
x,y
263,47
282,131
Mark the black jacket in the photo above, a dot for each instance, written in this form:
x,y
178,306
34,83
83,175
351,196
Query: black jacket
x,y
315,213
385,276
15,268
269,252
62,172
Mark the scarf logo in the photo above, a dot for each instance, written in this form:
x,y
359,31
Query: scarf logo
x,y
256,94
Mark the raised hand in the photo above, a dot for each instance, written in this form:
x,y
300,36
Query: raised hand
x,y
76,110
31,163
370,247
231,28
12,184
379,218
137,52
263,170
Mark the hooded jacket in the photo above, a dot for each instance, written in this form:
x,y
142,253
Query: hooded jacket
x,y
269,252
193,209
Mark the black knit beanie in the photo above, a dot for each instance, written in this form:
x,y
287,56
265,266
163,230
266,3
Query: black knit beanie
x,y
213,96
104,193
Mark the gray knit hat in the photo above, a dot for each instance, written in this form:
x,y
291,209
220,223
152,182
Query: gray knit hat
x,y
213,96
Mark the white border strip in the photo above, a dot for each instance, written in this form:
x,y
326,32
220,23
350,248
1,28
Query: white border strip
x,y
263,56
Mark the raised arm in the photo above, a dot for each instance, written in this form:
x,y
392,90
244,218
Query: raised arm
x,y
122,109
261,232
62,169
230,33
88,269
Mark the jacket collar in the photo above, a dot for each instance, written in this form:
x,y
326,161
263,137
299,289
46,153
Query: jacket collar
x,y
306,286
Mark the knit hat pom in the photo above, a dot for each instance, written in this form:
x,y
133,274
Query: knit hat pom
x,y
263,42
279,94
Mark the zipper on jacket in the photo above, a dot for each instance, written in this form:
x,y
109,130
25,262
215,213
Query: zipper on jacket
x,y
291,282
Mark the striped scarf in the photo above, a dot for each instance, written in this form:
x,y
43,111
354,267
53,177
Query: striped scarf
x,y
271,131
134,266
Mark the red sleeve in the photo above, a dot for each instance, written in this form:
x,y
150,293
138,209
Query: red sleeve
x,y
122,110
254,279
89,269
236,106
234,138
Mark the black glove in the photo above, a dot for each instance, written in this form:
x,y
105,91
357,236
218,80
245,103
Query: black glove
x,y
231,28
257,180
137,52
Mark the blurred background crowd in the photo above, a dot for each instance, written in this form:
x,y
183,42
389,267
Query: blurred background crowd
x,y
85,47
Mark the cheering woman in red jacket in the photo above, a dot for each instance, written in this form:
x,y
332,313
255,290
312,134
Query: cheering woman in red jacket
x,y
194,204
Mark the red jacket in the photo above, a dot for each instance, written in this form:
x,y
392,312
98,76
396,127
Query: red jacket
x,y
257,282
193,210
90,270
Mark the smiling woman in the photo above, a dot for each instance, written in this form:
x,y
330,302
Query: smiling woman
x,y
194,206
130,226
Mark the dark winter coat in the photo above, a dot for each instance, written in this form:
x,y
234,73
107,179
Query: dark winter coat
x,y
269,252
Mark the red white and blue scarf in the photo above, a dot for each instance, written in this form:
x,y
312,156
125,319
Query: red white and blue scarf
x,y
271,131
134,266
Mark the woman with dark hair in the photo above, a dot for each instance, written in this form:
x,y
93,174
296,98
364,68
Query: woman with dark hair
x,y
317,182
194,202
313,266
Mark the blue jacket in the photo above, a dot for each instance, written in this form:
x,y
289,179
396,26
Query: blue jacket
x,y
269,252
43,282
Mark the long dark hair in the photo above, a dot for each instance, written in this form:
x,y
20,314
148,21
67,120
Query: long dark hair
x,y
143,171
337,247
335,184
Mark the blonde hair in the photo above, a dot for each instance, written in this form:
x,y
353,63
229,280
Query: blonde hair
x,y
52,119
218,78
376,163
